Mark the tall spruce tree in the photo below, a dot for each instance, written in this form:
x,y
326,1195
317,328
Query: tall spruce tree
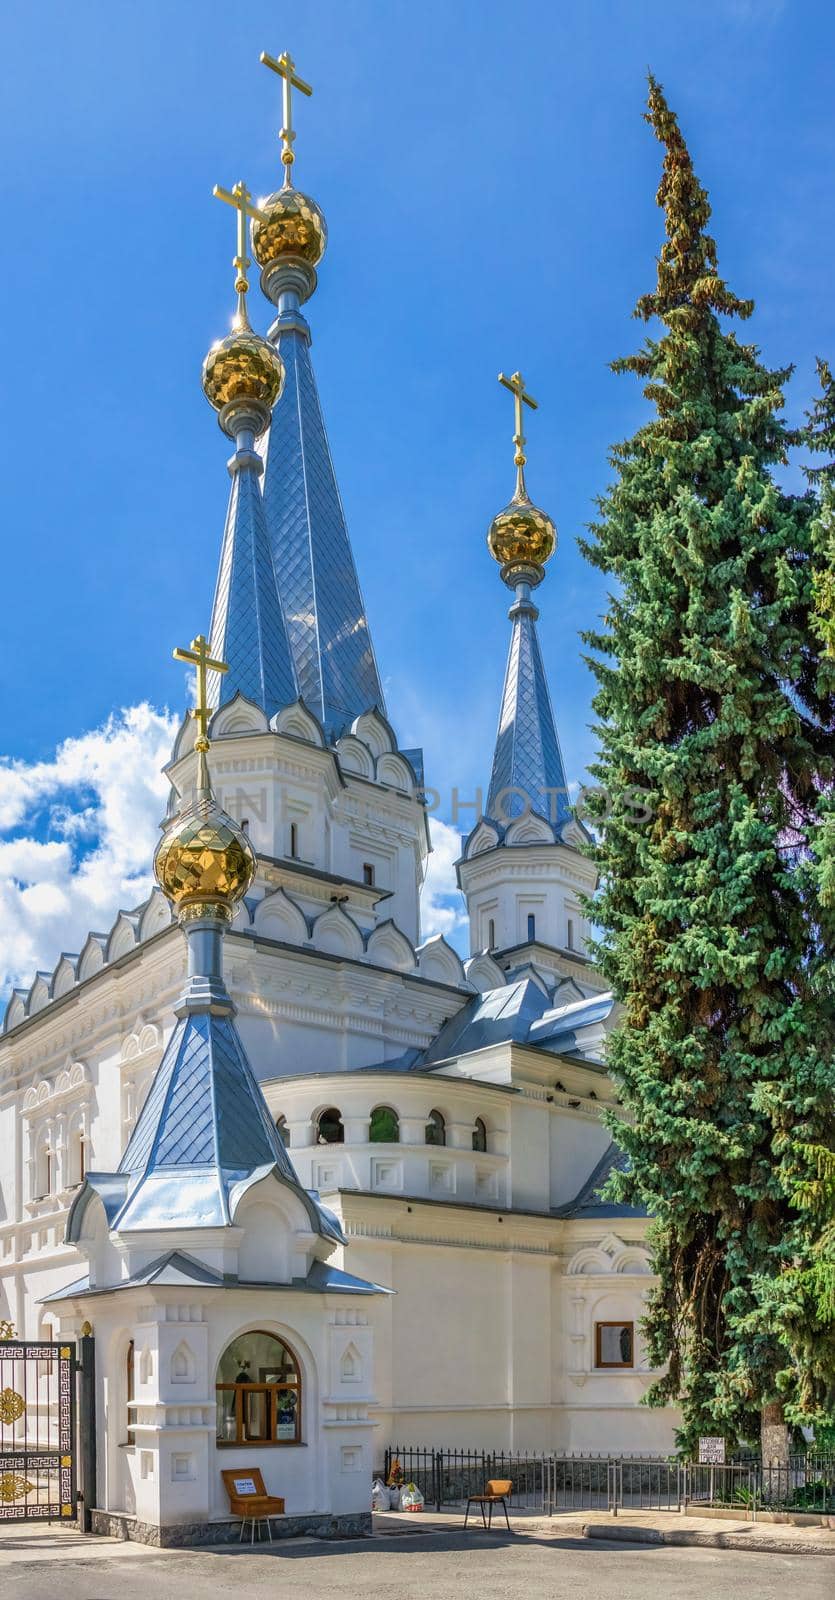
x,y
801,1300
708,698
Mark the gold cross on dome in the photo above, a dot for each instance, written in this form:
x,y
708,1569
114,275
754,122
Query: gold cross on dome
x,y
198,656
285,66
241,199
516,385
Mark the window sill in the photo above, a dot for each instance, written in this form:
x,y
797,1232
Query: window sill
x,y
260,1444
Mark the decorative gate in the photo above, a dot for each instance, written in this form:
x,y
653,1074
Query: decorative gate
x,y
37,1431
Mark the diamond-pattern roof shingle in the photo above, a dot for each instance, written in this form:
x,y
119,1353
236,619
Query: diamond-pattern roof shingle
x,y
527,755
203,1134
327,627
248,630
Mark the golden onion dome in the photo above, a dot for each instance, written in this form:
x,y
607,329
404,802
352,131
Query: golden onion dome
x,y
204,858
521,536
243,366
293,226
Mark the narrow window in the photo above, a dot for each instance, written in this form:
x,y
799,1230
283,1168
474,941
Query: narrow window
x,y
614,1344
130,1435
480,1135
368,874
531,925
436,1128
294,841
282,1128
48,1170
82,1158
491,935
569,938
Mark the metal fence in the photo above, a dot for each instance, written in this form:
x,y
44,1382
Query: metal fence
x,y
806,1483
547,1483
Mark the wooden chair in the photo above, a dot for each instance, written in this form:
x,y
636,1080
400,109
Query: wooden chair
x,y
248,1499
495,1494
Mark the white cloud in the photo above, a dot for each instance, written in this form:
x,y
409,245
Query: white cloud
x,y
77,835
442,905
86,825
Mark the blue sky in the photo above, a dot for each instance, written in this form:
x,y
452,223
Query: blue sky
x,y
489,187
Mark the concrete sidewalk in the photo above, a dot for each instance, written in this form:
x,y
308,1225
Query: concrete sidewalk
x,y
630,1527
51,1542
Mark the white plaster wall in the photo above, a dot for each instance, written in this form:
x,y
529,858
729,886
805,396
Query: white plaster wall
x,y
507,883
576,1144
172,1472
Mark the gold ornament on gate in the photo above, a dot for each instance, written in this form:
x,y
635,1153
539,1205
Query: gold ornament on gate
x,y
13,1486
12,1406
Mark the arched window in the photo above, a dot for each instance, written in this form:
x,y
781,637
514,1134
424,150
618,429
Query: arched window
x,y
329,1129
130,1430
385,1126
259,1392
282,1128
436,1128
480,1135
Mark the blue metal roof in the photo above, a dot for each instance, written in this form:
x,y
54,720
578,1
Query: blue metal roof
x,y
203,1137
527,755
177,1267
521,1011
495,1017
589,1203
248,629
558,1028
317,580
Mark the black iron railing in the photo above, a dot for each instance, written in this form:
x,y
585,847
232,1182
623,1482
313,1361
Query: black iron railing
x,y
544,1482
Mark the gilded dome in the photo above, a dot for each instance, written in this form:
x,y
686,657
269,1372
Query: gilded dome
x,y
293,226
204,857
243,366
521,536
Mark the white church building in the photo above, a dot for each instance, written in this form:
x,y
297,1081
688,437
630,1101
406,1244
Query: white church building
x,y
316,1185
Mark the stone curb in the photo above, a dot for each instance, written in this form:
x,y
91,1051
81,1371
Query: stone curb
x,y
758,1544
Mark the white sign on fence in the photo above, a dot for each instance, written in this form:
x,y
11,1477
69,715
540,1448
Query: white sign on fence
x,y
712,1452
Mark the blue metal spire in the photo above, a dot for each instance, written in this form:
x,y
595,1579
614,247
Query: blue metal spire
x,y
248,628
204,1134
317,580
528,770
242,378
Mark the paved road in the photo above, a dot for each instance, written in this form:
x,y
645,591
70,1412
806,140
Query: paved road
x,y
420,1567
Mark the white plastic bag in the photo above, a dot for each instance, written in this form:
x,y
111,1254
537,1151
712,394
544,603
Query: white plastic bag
x,y
379,1496
411,1498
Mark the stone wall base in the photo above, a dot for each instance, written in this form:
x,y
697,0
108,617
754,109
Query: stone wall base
x,y
318,1525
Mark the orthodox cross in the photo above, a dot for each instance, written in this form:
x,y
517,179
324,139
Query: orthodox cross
x,y
516,385
285,66
198,656
241,199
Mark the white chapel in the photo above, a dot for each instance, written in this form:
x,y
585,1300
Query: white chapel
x,y
318,1186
